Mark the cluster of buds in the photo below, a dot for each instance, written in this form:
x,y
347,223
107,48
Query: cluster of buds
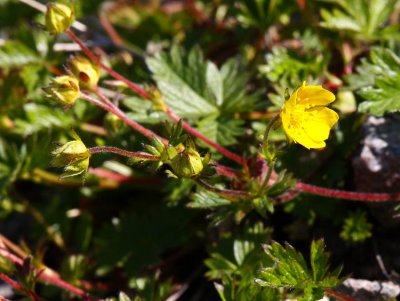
x,y
65,89
73,156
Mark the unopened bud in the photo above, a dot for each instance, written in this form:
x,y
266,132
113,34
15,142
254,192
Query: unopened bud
x,y
63,89
59,18
73,156
157,99
187,164
87,72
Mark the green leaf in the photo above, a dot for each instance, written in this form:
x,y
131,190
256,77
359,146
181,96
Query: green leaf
x,y
378,81
15,54
318,259
141,111
182,81
290,270
290,69
356,228
222,130
207,199
39,117
361,18
134,241
218,266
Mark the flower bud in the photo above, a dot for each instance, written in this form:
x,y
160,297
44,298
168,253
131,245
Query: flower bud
x,y
63,89
87,72
157,99
59,18
187,164
73,156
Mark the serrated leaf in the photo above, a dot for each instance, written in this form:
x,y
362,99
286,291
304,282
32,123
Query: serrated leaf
x,y
318,259
378,82
290,270
207,199
182,82
222,130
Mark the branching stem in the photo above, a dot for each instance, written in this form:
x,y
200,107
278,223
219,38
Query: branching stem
x,y
146,95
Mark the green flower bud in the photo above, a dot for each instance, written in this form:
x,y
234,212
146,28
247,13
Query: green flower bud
x,y
59,18
73,156
63,89
187,164
87,72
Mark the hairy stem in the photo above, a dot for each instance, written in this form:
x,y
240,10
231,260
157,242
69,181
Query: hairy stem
x,y
114,74
348,195
267,130
45,277
122,152
117,112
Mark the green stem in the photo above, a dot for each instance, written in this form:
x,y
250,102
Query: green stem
x,y
267,130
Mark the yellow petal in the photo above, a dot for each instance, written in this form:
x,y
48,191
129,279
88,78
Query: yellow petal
x,y
314,96
303,138
326,115
317,130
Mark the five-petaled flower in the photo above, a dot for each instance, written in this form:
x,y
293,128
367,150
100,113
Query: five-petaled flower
x,y
305,117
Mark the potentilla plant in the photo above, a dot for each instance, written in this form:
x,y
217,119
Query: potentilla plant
x,y
186,153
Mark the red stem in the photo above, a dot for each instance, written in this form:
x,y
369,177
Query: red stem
x,y
114,74
199,135
122,152
337,295
48,278
11,282
117,112
349,195
103,173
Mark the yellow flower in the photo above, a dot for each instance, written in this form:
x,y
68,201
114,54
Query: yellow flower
x,y
305,117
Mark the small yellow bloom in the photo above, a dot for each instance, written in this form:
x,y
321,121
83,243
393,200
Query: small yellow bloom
x,y
305,117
